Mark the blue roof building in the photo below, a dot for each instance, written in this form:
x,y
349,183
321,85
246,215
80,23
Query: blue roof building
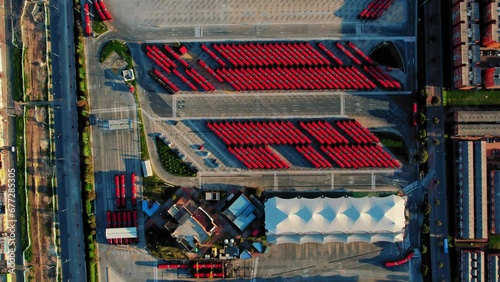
x,y
241,212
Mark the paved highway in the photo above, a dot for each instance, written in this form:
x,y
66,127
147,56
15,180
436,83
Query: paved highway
x,y
67,146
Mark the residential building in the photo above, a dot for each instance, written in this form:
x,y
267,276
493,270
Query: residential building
x,y
491,78
472,266
490,24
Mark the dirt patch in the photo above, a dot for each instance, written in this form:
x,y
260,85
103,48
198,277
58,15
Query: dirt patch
x,y
39,167
35,59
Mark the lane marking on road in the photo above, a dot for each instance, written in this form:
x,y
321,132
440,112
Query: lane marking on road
x,y
114,110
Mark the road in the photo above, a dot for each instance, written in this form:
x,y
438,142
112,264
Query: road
x,y
67,146
114,151
437,167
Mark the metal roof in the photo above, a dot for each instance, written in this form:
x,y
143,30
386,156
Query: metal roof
x,y
124,232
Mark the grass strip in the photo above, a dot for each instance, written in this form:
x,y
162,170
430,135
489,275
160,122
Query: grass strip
x,y
471,98
86,165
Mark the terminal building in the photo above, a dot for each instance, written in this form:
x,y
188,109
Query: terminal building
x,y
493,268
477,204
476,265
343,220
495,201
471,191
472,266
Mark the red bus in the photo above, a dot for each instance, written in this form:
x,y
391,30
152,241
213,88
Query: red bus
x,y
172,266
400,262
414,114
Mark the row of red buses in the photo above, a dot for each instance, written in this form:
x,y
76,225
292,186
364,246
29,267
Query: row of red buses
x,y
375,9
267,54
401,261
258,133
360,156
258,157
88,27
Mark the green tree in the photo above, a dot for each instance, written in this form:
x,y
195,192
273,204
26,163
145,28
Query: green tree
x,y
423,249
421,118
425,229
441,265
423,156
435,120
435,141
435,100
424,269
90,195
91,218
427,208
422,133
436,181
439,223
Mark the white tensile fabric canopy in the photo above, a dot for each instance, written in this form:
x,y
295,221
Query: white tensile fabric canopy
x,y
325,220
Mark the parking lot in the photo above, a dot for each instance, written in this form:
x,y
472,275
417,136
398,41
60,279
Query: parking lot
x,y
331,262
181,118
195,53
255,18
272,105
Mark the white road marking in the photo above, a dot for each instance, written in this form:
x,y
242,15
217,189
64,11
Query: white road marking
x,y
114,110
253,275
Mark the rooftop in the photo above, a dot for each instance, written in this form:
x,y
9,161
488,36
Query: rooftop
x,y
483,129
477,116
491,78
124,232
241,212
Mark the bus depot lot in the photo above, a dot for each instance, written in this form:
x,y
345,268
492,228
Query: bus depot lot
x,y
330,262
405,52
200,19
188,135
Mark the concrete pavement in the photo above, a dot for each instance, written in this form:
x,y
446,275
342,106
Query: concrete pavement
x,y
67,146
